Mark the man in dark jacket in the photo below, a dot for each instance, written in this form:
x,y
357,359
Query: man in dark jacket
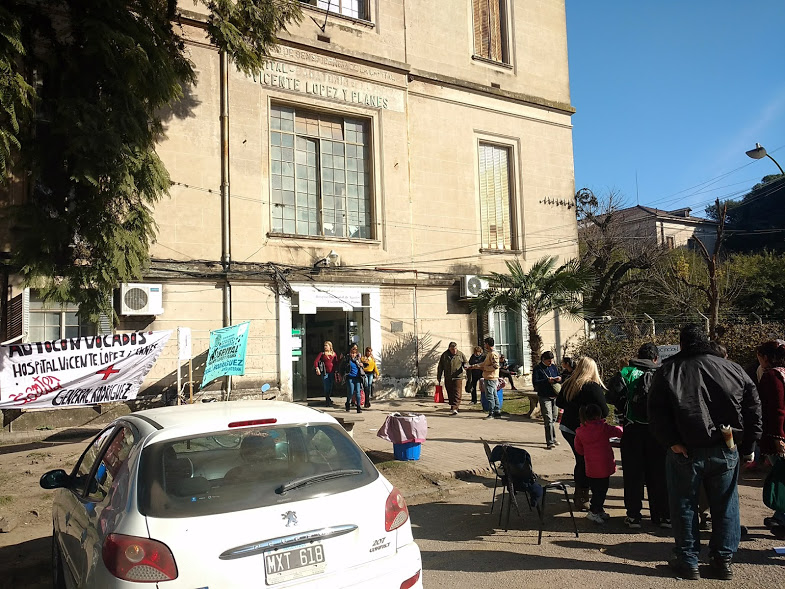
x,y
642,456
693,396
546,381
452,365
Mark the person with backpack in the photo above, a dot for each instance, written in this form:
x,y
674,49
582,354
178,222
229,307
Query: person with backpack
x,y
642,456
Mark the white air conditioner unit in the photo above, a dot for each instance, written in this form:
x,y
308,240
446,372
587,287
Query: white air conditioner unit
x,y
141,299
472,285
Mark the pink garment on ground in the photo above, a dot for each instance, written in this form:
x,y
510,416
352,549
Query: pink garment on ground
x,y
404,428
592,441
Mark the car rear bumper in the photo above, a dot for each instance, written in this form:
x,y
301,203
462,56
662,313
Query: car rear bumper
x,y
387,573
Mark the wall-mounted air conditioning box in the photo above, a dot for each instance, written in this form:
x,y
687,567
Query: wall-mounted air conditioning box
x,y
141,299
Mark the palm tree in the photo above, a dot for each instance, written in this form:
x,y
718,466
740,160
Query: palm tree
x,y
544,289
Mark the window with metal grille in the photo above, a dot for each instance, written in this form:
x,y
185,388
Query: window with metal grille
x,y
320,174
495,195
352,8
490,29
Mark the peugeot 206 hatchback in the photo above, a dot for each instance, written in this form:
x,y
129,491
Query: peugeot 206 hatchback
x,y
239,494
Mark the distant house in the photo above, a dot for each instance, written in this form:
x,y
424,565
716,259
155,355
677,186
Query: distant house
x,y
671,229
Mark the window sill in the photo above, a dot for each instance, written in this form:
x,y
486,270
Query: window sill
x,y
515,252
363,240
358,21
501,64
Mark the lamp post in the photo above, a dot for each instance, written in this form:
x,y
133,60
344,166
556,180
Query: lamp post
x,y
760,152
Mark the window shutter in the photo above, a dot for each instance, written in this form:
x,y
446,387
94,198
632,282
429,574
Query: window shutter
x,y
495,197
104,325
480,9
26,315
14,328
495,31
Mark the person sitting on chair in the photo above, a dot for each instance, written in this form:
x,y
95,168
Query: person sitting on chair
x,y
505,371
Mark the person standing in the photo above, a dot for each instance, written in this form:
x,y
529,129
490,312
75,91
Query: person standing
x,y
547,384
701,406
371,372
584,387
567,368
351,370
326,364
592,441
771,388
452,366
474,376
642,456
490,375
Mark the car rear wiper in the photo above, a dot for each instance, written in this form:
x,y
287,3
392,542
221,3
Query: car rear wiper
x,y
301,482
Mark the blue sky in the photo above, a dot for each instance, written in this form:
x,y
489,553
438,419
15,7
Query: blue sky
x,y
676,91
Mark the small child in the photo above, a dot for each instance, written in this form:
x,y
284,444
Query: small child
x,y
592,441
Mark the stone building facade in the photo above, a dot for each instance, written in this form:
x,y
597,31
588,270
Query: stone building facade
x,y
388,150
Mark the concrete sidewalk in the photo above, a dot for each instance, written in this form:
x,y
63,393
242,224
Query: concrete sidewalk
x,y
453,447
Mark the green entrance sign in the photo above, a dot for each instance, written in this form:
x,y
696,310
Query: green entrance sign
x,y
297,352
297,332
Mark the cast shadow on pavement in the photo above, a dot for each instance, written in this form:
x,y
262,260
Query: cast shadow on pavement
x,y
27,564
501,560
68,436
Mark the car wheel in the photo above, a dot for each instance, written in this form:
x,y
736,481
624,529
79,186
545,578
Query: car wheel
x,y
58,580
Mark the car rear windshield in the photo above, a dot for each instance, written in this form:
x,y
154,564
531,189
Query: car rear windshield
x,y
244,469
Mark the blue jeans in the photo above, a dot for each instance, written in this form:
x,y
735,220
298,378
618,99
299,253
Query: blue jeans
x,y
354,387
717,469
492,396
328,379
368,385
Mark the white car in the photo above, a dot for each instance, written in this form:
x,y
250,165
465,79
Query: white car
x,y
221,495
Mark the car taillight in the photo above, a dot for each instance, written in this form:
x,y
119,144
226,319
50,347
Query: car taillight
x,y
395,511
138,559
411,581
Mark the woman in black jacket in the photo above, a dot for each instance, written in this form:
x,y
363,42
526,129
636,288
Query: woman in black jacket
x,y
584,387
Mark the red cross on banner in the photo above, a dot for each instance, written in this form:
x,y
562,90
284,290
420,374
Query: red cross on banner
x,y
108,371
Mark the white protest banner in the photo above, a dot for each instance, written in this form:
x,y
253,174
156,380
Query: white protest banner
x,y
77,371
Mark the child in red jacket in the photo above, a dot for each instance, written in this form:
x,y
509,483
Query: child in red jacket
x,y
592,441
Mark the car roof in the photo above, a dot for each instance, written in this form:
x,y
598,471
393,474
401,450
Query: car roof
x,y
211,417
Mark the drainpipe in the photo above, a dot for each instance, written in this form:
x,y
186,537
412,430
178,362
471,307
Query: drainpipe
x,y
226,241
416,336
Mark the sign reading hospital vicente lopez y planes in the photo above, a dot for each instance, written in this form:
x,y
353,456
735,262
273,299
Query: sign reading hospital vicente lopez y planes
x,y
77,371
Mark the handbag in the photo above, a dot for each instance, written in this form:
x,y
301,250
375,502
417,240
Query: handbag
x,y
438,394
774,487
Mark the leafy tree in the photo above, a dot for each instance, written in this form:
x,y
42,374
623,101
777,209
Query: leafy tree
x,y
615,257
758,221
546,288
105,71
763,288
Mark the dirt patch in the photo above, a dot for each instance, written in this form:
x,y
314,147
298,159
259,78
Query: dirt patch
x,y
417,485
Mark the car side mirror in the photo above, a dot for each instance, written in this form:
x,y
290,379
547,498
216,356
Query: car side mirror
x,y
55,479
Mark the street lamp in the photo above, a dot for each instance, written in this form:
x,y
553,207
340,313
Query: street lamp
x,y
760,152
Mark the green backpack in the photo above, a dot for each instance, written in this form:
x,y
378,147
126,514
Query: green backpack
x,y
774,487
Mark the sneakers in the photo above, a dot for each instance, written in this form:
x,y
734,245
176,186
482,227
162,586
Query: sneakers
x,y
347,407
497,415
605,515
682,570
595,517
720,568
665,524
550,446
489,416
454,412
772,522
634,523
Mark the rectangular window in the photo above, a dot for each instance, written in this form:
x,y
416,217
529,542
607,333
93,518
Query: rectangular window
x,y
670,244
505,332
351,8
495,196
490,29
50,321
320,174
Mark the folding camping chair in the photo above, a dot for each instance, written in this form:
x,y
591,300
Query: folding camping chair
x,y
496,467
520,470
